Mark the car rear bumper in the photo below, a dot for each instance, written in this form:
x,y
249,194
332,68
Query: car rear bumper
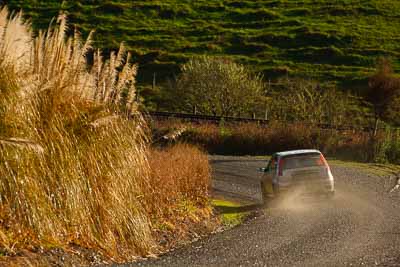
x,y
322,187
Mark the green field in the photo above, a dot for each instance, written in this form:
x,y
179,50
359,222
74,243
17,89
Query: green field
x,y
336,41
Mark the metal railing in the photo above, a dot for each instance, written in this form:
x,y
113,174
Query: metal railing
x,y
198,117
217,119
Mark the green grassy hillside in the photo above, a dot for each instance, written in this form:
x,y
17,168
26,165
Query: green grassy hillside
x,y
327,40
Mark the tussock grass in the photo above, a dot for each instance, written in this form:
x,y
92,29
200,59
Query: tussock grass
x,y
73,169
178,205
74,151
181,174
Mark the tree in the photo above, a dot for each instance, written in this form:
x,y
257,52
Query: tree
x,y
308,101
383,92
217,86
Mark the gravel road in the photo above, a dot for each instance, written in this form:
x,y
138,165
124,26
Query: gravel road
x,y
359,227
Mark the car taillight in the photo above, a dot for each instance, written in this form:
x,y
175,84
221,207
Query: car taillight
x,y
323,161
280,167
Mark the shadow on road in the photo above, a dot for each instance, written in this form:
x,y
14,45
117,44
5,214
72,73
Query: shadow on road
x,y
246,208
219,161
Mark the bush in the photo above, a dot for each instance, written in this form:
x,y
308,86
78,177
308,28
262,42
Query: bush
x,y
393,152
387,146
298,100
216,86
179,175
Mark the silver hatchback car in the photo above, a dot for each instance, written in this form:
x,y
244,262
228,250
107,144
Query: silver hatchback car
x,y
305,169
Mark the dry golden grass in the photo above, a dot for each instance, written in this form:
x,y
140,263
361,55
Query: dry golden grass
x,y
73,168
179,174
74,152
178,203
253,139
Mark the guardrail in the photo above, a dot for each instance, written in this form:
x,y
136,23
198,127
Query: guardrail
x,y
198,117
217,119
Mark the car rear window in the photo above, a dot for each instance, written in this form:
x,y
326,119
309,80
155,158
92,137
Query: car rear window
x,y
302,161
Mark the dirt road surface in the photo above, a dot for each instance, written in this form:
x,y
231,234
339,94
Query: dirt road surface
x,y
359,227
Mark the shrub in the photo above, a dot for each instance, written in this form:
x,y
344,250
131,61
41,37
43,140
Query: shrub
x,y
217,86
307,101
393,153
384,92
386,146
179,174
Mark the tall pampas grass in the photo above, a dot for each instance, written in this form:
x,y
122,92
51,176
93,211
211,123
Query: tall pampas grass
x,y
73,168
